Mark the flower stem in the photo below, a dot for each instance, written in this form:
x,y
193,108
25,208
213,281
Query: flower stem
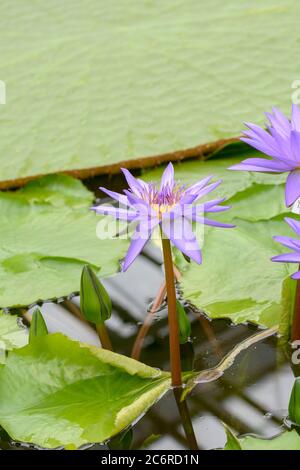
x,y
296,318
172,314
186,420
104,337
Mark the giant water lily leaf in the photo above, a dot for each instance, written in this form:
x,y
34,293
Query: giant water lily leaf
x,y
288,440
108,82
237,278
72,393
12,335
47,234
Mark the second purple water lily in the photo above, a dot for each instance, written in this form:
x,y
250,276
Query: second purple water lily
x,y
280,141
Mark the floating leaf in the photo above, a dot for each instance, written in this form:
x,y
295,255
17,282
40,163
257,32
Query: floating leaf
x,y
288,440
105,82
38,326
12,335
237,278
72,393
48,233
232,441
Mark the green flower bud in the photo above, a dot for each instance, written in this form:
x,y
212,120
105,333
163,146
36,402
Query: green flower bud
x,y
183,323
294,404
95,302
38,326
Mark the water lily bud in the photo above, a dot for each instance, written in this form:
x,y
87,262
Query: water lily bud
x,y
183,323
38,326
95,302
294,404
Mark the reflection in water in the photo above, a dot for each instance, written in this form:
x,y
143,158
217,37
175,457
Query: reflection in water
x,y
251,397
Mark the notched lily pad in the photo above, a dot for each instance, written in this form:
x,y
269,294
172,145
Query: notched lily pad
x,y
72,393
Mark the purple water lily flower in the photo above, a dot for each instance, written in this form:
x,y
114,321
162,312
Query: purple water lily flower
x,y
281,141
293,244
169,207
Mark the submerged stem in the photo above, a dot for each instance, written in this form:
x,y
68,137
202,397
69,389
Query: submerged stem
x,y
186,420
172,314
104,337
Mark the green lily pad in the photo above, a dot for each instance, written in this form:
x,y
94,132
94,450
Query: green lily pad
x,y
108,82
48,233
237,278
288,440
12,335
72,393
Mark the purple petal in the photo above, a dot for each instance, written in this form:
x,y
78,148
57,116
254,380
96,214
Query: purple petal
x,y
292,188
199,185
261,135
139,239
116,196
167,179
261,146
295,117
279,121
218,209
284,146
213,206
270,164
139,205
295,145
214,202
288,242
189,211
213,223
133,183
180,232
243,167
187,199
287,258
135,199
208,189
296,275
294,224
263,165
123,214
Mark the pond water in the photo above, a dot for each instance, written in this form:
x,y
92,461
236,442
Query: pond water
x,y
251,396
